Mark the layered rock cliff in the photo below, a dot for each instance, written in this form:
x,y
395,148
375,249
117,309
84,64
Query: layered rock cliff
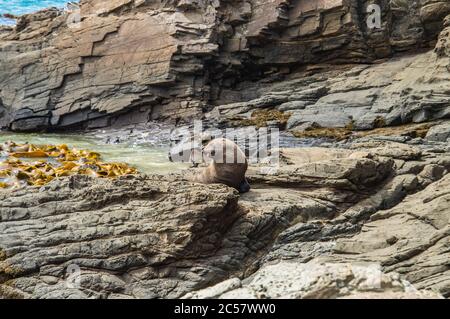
x,y
129,61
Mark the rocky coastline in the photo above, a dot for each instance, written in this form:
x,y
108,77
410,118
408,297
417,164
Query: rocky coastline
x,y
327,210
126,62
358,208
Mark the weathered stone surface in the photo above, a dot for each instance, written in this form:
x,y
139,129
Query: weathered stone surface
x,y
129,226
398,91
401,90
439,133
321,225
409,238
408,241
128,61
105,64
290,280
156,236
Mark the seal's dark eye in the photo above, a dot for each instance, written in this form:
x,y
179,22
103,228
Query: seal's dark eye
x,y
180,153
213,153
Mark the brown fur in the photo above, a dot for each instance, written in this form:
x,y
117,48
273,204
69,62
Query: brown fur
x,y
231,173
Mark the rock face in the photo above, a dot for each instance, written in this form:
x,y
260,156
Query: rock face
x,y
335,214
367,217
129,61
130,226
291,280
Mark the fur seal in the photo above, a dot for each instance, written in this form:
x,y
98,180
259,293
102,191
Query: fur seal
x,y
227,165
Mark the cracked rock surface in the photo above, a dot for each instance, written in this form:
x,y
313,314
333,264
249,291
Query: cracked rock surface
x,y
325,213
130,61
366,216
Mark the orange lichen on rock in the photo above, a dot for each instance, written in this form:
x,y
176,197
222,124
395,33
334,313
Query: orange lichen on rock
x,y
50,162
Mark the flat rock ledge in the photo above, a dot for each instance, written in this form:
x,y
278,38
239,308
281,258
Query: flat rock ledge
x,y
368,221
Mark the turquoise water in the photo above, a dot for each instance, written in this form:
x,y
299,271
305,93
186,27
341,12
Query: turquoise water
x,y
18,7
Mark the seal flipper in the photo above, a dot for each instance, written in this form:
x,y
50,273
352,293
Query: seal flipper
x,y
244,187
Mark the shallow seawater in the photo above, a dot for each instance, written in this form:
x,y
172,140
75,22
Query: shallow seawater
x,y
144,147
18,7
146,158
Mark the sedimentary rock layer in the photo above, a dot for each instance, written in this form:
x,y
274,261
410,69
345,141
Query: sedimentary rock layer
x,y
128,61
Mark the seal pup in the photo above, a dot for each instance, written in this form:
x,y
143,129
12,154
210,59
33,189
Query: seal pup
x,y
227,164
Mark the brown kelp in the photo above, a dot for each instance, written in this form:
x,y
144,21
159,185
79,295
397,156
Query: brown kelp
x,y
37,165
